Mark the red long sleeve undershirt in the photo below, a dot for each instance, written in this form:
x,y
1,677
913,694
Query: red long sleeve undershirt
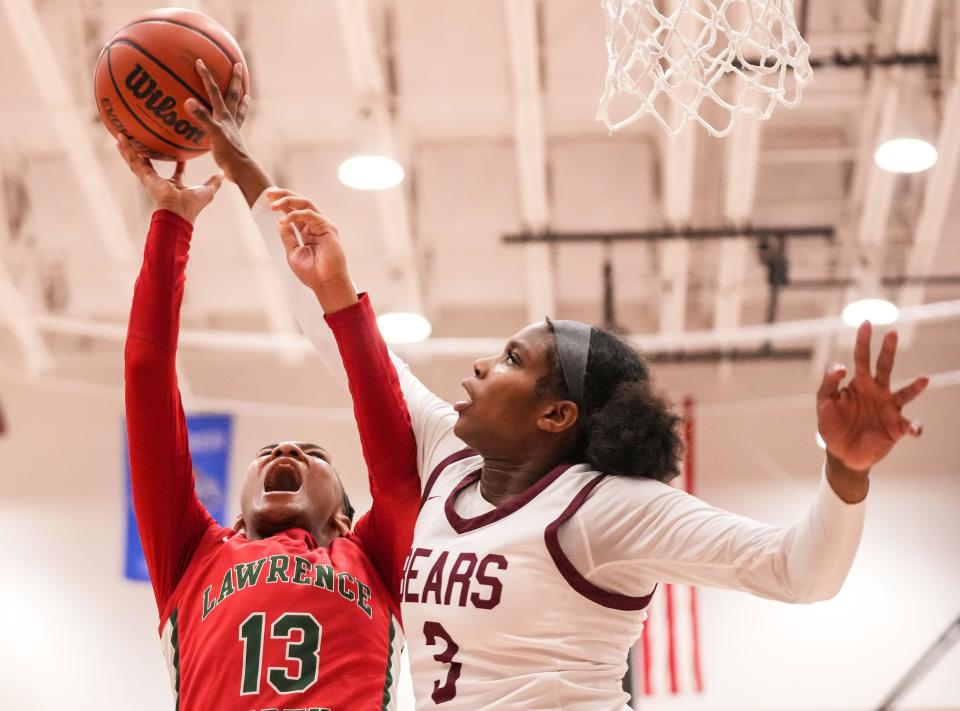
x,y
170,517
386,435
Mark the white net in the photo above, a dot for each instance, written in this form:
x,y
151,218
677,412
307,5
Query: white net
x,y
703,60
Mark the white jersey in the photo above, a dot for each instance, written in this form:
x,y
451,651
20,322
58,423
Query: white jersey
x,y
505,619
533,604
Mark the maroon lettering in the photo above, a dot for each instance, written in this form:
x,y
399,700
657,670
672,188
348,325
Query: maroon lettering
x,y
408,595
446,689
435,579
496,587
461,577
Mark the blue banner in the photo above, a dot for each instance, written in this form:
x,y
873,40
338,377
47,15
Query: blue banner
x,y
210,438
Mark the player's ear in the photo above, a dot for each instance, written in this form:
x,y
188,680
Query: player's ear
x,y
558,415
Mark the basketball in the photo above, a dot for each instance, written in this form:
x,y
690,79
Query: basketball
x,y
147,71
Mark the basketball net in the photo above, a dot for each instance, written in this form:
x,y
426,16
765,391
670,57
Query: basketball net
x,y
703,60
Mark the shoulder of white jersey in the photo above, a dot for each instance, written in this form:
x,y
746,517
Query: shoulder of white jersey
x,y
575,579
454,458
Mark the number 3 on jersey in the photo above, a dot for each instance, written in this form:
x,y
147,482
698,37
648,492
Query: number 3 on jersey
x,y
445,691
305,651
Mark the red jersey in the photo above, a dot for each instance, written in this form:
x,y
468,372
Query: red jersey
x,y
281,622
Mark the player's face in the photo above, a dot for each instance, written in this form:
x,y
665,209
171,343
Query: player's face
x,y
502,406
288,485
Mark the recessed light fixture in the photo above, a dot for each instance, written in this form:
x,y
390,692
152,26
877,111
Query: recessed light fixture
x,y
877,311
402,327
905,155
370,172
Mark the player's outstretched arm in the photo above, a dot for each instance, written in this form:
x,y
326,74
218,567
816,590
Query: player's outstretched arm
x,y
674,537
862,421
386,433
169,515
321,265
222,125
432,417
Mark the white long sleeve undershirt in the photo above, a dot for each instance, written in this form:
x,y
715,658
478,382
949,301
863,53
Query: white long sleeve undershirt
x,y
632,532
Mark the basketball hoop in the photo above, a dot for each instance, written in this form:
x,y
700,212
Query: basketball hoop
x,y
703,60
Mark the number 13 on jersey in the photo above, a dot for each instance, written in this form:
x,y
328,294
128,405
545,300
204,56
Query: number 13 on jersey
x,y
303,633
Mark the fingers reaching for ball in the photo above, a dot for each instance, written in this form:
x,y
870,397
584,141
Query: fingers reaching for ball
x,y
235,90
217,102
138,163
287,201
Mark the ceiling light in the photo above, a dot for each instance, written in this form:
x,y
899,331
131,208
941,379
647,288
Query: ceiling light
x,y
905,155
400,327
876,311
370,173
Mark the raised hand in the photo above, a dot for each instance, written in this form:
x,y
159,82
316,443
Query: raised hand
x,y
861,421
319,262
170,193
222,122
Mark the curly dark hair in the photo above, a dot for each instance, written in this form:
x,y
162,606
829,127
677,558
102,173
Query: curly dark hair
x,y
627,428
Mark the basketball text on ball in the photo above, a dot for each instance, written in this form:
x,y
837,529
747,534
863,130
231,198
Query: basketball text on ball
x,y
144,88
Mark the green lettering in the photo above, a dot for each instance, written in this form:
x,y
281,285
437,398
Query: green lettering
x,y
248,573
324,577
301,566
363,595
278,568
227,589
207,605
346,594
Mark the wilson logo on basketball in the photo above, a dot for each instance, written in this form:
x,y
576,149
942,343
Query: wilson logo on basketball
x,y
144,88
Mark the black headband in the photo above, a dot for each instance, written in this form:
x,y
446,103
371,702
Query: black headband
x,y
573,344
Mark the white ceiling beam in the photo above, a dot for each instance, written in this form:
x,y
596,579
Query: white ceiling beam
x,y
679,155
872,186
741,168
35,352
677,166
70,127
800,331
942,178
272,296
367,72
529,142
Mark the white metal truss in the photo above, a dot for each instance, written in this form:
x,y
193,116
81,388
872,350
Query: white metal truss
x,y
529,145
740,181
679,159
366,69
930,226
70,129
35,352
873,186
272,297
743,336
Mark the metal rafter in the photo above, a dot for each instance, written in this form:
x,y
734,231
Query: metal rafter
x,y
679,155
530,150
70,129
929,230
272,297
875,187
367,72
35,351
741,168
679,159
